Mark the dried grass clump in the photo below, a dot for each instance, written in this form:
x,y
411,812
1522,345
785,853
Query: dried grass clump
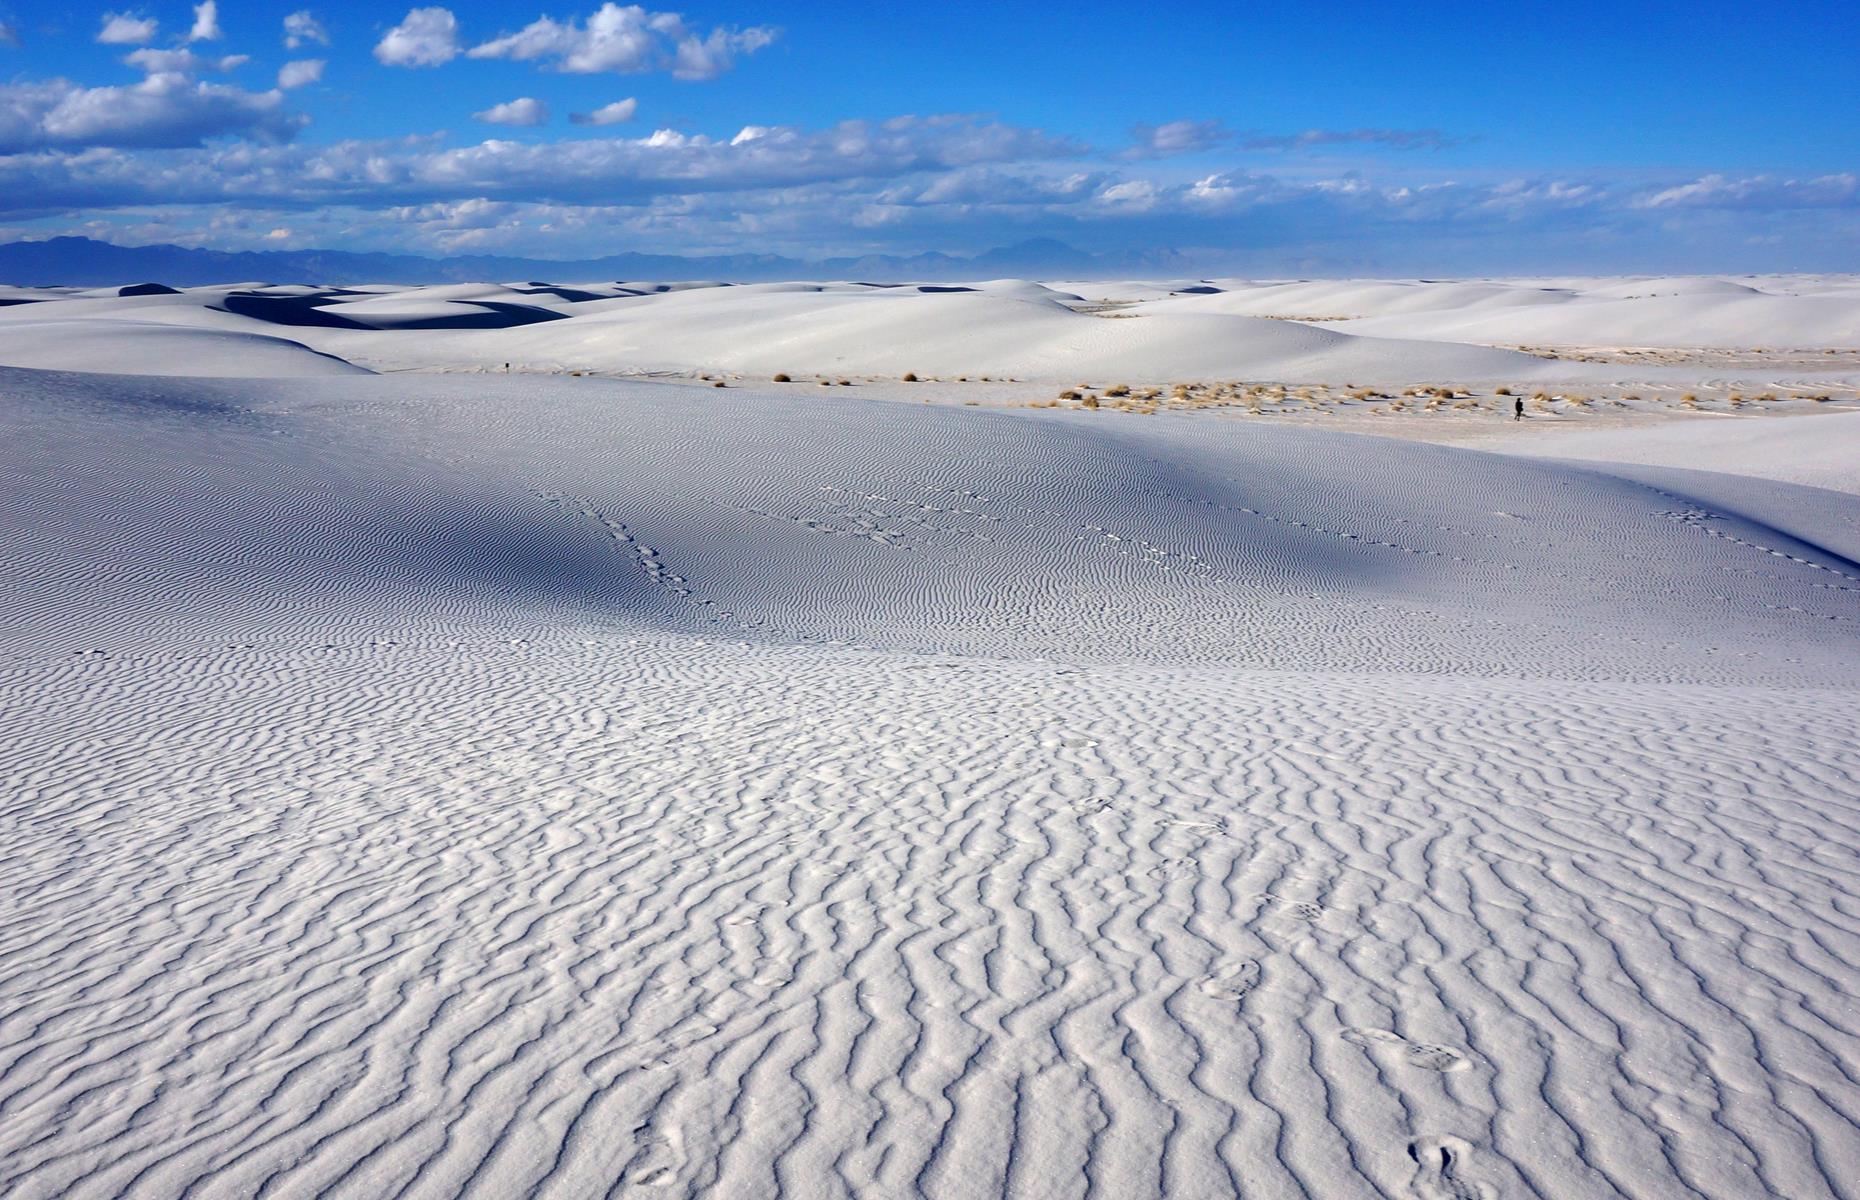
x,y
1768,397
1090,401
718,383
1504,391
1070,394
1468,402
783,377
1121,389
1689,400
910,377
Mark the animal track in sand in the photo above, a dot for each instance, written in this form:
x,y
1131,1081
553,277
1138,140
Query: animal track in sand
x,y
1425,1055
1441,1170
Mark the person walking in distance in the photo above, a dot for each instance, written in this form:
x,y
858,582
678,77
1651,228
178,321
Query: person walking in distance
x,y
1517,408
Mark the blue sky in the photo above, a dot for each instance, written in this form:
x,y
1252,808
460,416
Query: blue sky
x,y
1454,138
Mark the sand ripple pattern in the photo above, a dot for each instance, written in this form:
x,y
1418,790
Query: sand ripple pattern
x,y
784,922
415,792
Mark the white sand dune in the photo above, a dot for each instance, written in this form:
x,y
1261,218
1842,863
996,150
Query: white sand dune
x,y
157,348
998,328
1817,452
430,786
1336,332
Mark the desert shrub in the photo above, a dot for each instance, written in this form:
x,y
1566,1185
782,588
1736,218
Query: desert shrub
x,y
1090,402
718,383
1504,391
1121,389
910,377
1069,394
783,377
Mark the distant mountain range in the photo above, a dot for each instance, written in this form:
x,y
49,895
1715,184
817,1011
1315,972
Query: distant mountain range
x,y
83,262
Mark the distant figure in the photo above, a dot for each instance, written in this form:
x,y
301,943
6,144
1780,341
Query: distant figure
x,y
1517,409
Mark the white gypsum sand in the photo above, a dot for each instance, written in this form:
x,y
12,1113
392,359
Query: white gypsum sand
x,y
425,785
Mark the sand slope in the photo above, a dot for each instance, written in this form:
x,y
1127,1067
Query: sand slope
x,y
436,787
153,348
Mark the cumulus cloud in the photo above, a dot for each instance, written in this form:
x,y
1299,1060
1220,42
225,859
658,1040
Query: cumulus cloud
x,y
587,171
627,39
608,114
525,110
1175,137
710,56
163,111
426,37
206,22
301,28
126,29
181,62
1398,139
300,73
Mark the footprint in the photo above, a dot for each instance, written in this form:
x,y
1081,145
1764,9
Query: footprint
x,y
656,1161
1436,1058
1233,981
1302,910
1440,1170
1090,806
1175,868
1424,1055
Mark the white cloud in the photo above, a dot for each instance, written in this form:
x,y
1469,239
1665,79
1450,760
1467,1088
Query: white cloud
x,y
298,74
525,110
427,37
1758,192
163,111
595,170
206,22
710,56
302,28
627,39
9,35
608,114
1175,137
126,29
181,62
1399,139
